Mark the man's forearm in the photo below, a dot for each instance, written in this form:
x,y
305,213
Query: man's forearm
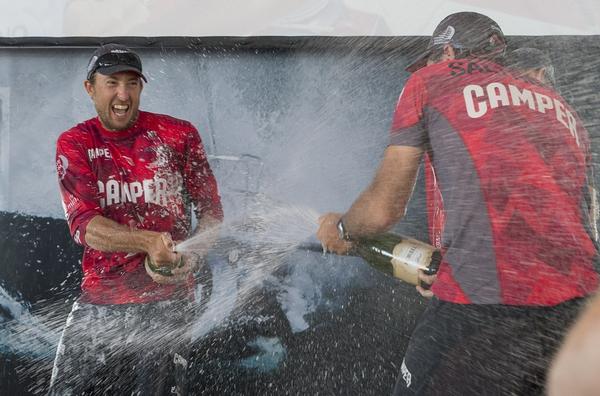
x,y
384,202
367,216
106,235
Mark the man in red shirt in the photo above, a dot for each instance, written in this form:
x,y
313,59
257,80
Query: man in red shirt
x,y
128,180
525,63
511,160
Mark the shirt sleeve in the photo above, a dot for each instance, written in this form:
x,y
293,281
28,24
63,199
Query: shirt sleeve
x,y
78,187
199,179
408,123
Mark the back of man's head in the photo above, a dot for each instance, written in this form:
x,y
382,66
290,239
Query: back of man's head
x,y
531,62
469,33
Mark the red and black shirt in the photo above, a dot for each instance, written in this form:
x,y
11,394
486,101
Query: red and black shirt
x,y
146,177
510,160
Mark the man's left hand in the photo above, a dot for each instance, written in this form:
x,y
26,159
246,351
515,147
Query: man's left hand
x,y
426,279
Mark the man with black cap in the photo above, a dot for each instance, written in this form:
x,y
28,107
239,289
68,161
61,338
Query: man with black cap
x,y
128,181
510,160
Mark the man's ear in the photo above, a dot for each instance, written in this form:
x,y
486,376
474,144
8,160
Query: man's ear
x,y
496,41
449,53
540,74
89,87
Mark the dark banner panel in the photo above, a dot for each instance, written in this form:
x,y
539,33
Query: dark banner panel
x,y
305,42
256,349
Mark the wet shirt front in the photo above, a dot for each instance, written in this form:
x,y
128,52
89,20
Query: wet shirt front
x,y
510,159
146,177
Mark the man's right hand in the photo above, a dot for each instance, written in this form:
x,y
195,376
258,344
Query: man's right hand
x,y
160,250
161,253
179,273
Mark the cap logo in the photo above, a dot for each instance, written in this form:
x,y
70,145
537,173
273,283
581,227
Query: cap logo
x,y
92,63
444,37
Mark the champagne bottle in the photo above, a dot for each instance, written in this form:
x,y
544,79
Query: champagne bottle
x,y
398,256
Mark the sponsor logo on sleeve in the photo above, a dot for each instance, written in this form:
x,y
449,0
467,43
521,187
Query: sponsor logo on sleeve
x,y
65,210
77,237
62,164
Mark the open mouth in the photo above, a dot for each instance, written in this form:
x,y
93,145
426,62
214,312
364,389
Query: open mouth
x,y
120,110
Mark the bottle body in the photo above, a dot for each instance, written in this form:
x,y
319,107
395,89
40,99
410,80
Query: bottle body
x,y
399,256
162,270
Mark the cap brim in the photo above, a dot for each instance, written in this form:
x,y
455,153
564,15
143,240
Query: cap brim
x,y
107,71
419,63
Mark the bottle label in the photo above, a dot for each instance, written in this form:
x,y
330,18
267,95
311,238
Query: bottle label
x,y
408,256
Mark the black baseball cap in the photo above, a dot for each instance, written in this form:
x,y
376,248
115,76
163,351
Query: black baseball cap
x,y
463,30
113,58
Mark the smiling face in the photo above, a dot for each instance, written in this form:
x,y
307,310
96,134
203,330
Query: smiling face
x,y
116,98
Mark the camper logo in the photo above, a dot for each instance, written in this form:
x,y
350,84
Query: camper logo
x,y
147,191
444,37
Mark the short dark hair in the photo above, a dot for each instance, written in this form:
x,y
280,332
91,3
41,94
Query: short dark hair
x,y
438,52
